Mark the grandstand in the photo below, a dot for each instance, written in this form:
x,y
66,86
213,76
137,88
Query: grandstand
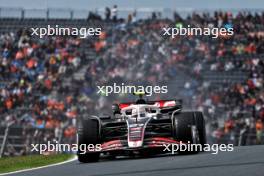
x,y
46,83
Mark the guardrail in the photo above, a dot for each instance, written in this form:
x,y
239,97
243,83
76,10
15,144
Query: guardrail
x,y
243,138
20,143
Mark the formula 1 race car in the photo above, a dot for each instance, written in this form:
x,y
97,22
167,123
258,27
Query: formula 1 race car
x,y
141,127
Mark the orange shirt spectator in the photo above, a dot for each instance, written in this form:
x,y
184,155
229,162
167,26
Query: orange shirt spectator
x,y
52,60
259,125
19,55
31,63
99,45
228,125
9,103
70,131
102,36
49,124
59,106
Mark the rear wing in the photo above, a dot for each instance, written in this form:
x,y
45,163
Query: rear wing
x,y
162,104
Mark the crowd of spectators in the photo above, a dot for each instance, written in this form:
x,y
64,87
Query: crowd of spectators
x,y
33,70
32,74
138,51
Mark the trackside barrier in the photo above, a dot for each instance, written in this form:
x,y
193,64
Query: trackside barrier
x,y
5,138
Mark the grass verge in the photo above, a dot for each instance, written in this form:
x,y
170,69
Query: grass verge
x,y
26,162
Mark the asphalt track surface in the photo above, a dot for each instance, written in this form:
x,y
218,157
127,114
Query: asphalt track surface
x,y
243,161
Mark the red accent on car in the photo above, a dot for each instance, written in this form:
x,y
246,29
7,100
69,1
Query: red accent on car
x,y
160,104
124,105
111,145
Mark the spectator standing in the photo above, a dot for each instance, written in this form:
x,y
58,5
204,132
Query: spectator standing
x,y
134,16
107,13
259,131
114,13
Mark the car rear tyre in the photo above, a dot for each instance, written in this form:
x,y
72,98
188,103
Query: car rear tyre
x,y
201,127
189,129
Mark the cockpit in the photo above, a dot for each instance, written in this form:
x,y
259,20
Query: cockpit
x,y
140,111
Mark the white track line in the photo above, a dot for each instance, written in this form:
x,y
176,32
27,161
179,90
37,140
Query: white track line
x,y
41,167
